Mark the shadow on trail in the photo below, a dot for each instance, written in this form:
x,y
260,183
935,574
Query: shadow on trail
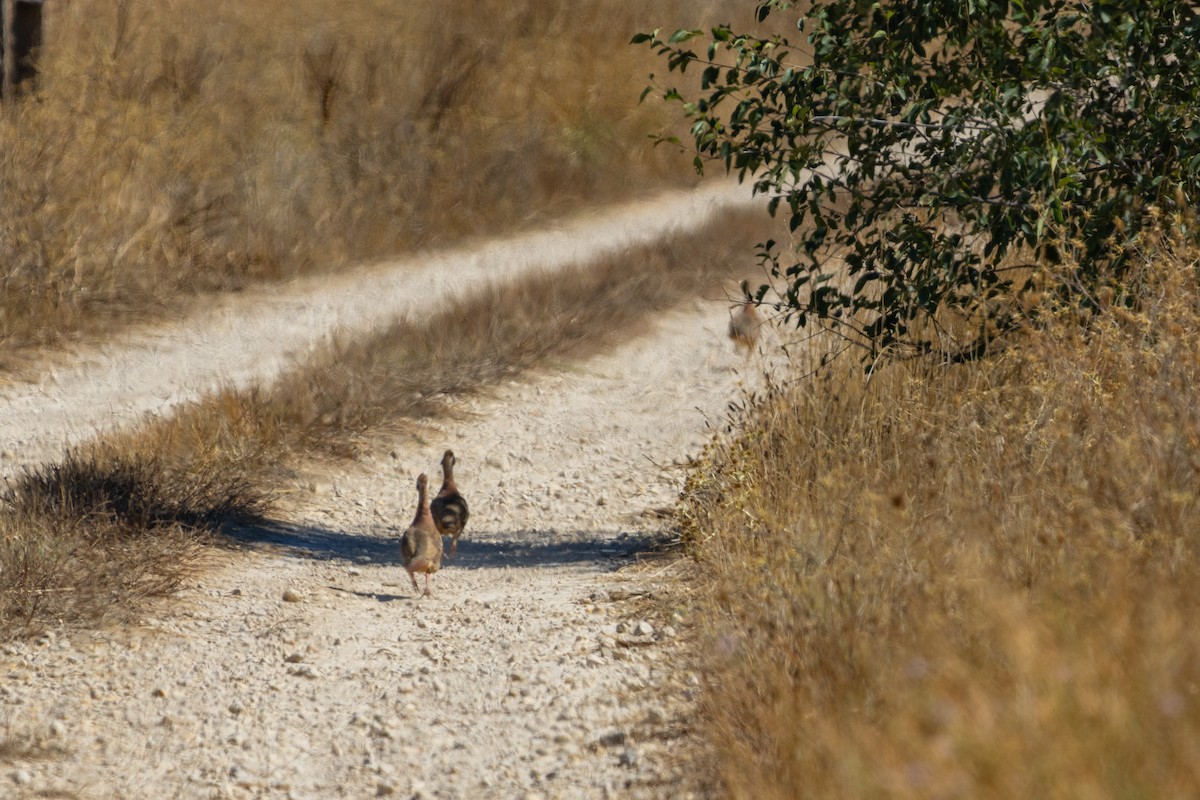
x,y
318,544
482,550
602,550
377,596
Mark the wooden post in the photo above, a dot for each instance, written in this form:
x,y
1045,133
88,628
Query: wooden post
x,y
8,13
20,44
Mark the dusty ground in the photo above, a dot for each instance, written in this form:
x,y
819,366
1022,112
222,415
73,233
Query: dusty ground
x,y
305,665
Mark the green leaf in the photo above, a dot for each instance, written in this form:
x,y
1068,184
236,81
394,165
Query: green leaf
x,y
683,35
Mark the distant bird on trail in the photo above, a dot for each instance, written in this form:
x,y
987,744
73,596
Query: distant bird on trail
x,y
421,545
743,326
449,507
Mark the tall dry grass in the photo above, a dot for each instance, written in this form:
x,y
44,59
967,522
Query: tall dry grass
x,y
126,518
90,539
182,146
975,582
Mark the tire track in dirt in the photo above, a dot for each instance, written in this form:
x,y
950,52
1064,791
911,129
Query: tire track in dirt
x,y
255,335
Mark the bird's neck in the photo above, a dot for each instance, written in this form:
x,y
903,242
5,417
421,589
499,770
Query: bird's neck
x,y
422,508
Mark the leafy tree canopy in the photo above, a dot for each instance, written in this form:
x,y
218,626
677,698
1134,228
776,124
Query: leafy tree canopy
x,y
929,152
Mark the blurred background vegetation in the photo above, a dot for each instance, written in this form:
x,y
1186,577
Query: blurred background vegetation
x,y
186,146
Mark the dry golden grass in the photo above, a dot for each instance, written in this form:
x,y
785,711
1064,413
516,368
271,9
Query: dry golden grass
x,y
126,518
88,539
975,582
184,146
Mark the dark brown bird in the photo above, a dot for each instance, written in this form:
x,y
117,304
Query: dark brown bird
x,y
449,507
743,326
421,545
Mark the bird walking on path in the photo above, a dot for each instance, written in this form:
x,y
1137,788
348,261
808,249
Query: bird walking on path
x,y
743,326
421,545
449,507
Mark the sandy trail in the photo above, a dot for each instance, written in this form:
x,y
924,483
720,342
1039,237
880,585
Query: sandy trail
x,y
528,674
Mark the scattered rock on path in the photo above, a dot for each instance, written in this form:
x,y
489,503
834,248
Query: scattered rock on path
x,y
612,739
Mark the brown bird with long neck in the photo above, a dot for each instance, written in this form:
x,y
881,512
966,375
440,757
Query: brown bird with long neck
x,y
449,507
743,327
421,545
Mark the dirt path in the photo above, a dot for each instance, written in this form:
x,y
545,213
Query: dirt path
x,y
306,666
523,677
255,335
